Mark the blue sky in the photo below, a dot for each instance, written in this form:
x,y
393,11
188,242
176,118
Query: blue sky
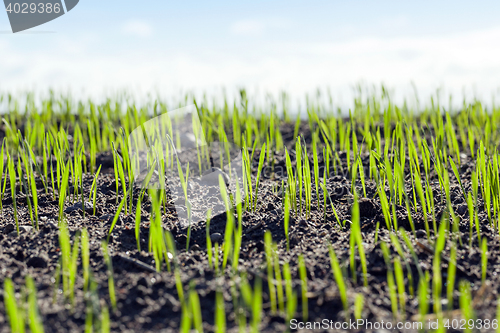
x,y
298,46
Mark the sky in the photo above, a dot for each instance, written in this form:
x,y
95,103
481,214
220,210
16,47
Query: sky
x,y
167,47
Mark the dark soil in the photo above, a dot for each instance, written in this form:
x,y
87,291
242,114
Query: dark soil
x,y
148,301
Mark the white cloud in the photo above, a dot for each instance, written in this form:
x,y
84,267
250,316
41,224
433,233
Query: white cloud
x,y
453,61
138,28
397,22
255,27
247,27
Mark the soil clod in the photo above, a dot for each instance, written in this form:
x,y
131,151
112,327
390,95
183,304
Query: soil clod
x,y
216,238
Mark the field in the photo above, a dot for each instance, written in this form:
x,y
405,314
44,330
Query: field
x,y
388,214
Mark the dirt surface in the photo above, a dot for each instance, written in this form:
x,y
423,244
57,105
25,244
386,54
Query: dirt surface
x,y
148,301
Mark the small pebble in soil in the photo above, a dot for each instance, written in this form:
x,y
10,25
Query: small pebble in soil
x,y
142,282
37,262
462,209
9,228
195,247
105,217
420,233
23,229
216,237
89,208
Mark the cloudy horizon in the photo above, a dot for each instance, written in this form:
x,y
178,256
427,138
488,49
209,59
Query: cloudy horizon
x,y
100,48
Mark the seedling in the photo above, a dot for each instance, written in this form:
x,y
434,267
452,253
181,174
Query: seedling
x,y
93,190
15,312
337,273
286,223
85,258
291,296
303,279
220,313
138,218
208,239
259,171
270,275
111,282
484,259
452,268
69,260
356,238
228,235
35,322
358,306
12,176
465,302
257,306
